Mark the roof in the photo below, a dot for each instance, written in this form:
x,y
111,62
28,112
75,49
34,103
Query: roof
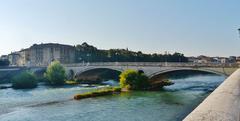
x,y
51,45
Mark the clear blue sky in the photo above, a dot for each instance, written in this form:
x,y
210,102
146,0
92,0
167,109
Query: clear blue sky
x,y
193,27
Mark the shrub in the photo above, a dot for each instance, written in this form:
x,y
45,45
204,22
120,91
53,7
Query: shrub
x,y
134,80
97,93
116,89
24,80
55,73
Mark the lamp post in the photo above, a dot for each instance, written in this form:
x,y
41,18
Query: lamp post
x,y
116,56
165,57
135,57
88,58
239,32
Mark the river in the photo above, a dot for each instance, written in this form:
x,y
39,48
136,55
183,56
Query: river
x,y
55,104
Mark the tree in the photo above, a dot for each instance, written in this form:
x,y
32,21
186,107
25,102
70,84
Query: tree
x,y
134,80
55,73
89,53
24,80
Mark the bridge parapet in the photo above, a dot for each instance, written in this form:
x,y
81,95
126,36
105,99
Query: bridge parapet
x,y
151,68
222,105
158,64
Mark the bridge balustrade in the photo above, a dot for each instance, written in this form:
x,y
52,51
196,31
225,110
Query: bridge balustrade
x,y
158,64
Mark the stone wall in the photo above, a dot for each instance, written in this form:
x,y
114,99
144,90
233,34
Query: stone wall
x,y
222,105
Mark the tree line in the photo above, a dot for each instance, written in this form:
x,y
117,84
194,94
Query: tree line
x,y
89,53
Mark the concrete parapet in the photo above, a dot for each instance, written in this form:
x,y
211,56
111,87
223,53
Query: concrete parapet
x,y
222,105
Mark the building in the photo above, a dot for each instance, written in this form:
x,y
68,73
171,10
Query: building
x,y
232,59
238,60
200,59
24,59
204,59
4,57
216,60
44,54
224,60
192,59
14,58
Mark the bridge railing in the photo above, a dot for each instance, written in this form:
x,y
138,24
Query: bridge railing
x,y
139,64
159,64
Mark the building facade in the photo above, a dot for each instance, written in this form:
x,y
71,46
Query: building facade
x,y
24,58
4,57
238,60
43,55
14,58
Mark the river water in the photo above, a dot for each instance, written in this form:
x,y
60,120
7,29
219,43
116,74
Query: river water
x,y
56,104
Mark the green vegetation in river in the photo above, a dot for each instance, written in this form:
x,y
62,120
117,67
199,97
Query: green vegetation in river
x,y
24,80
55,73
97,93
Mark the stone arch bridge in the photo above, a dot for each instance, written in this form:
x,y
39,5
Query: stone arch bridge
x,y
151,69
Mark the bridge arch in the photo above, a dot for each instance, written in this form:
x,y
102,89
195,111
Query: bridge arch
x,y
186,69
96,68
98,74
39,72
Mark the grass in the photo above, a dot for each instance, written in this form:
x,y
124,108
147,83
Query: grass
x,y
97,93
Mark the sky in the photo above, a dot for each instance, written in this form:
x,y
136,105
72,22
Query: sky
x,y
192,27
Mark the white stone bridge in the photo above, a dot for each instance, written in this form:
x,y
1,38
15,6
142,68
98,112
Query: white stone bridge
x,y
153,68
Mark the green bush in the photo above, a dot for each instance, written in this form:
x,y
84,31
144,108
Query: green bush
x,y
97,93
55,73
116,89
25,80
134,80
